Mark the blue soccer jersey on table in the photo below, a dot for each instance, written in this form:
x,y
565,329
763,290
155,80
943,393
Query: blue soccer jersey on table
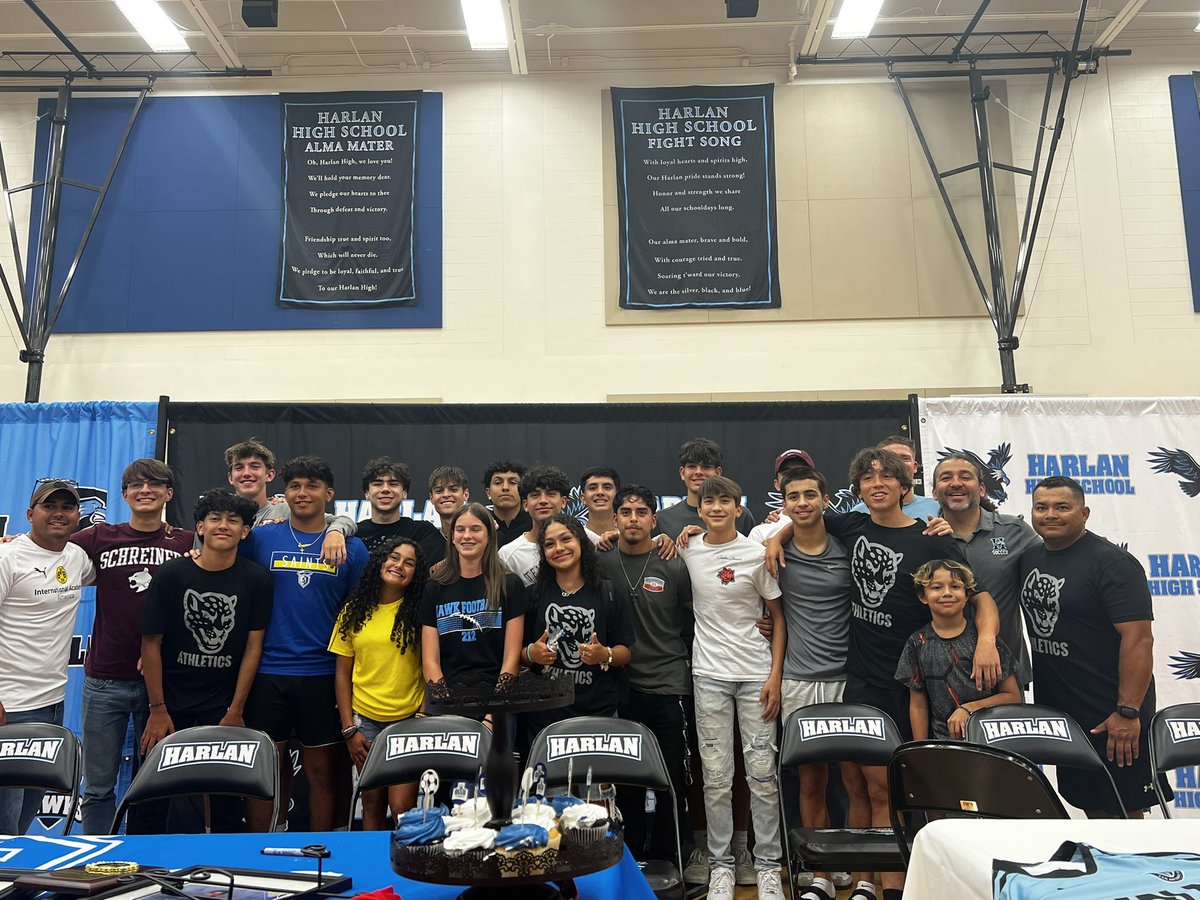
x,y
1082,872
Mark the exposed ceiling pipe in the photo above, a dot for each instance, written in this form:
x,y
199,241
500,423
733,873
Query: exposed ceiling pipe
x,y
224,49
1120,20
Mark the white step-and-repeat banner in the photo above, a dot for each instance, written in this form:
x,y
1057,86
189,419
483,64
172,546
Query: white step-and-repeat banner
x,y
1137,462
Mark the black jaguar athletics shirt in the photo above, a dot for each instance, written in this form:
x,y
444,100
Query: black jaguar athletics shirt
x,y
884,604
1072,599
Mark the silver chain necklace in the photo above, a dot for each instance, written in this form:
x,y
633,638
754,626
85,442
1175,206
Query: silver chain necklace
x,y
633,591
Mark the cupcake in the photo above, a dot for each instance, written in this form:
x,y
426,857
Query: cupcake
x,y
535,814
563,801
526,849
476,811
417,840
468,851
584,823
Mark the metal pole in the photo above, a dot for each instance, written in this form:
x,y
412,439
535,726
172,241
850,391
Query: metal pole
x,y
991,222
39,305
962,41
87,231
949,204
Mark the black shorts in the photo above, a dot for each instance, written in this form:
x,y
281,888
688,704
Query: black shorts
x,y
1091,792
893,701
304,705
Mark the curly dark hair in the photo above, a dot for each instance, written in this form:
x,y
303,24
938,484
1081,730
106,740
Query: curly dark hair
x,y
589,560
364,599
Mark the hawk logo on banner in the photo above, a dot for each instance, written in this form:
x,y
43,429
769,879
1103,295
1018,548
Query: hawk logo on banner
x,y
561,746
1173,876
995,479
1186,665
575,506
843,501
854,726
1055,729
1039,596
874,568
234,753
93,506
458,743
1178,462
31,749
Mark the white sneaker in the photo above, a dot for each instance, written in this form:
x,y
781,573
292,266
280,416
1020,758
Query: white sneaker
x,y
770,887
841,880
720,884
743,864
698,864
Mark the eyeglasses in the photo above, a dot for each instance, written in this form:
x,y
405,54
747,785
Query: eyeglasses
x,y
138,485
68,481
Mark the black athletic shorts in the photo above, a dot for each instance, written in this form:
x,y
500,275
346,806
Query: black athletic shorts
x,y
1091,791
893,701
303,705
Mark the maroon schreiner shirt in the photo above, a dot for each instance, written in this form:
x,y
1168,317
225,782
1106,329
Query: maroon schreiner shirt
x,y
125,559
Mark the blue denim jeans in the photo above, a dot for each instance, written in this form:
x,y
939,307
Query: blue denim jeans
x,y
721,707
107,708
18,806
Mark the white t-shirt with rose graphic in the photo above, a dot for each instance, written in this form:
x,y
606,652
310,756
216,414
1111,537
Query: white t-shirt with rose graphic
x,y
729,584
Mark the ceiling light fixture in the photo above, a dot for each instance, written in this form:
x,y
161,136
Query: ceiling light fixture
x,y
856,18
156,29
486,25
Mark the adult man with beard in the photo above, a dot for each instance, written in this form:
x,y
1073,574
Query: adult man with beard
x,y
992,543
1089,613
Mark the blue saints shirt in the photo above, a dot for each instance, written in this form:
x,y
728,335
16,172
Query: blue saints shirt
x,y
308,596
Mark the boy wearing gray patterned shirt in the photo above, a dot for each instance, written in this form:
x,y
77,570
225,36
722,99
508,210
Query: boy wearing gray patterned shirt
x,y
936,662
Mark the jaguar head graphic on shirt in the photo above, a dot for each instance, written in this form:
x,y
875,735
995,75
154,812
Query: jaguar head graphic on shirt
x,y
1039,596
577,625
874,568
209,617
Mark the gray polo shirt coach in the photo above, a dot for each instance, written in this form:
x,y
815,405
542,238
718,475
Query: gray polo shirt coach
x,y
994,552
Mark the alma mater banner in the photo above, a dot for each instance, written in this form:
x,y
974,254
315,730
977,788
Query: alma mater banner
x,y
696,197
349,188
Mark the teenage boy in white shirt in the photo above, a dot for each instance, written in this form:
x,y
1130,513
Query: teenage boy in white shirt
x,y
737,676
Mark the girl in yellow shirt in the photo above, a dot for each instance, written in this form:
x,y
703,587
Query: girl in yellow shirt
x,y
378,676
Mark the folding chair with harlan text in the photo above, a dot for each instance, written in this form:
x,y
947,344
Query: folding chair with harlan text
x,y
839,732
208,760
1043,735
619,751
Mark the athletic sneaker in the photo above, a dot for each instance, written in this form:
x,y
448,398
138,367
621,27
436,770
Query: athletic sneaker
x,y
818,890
841,880
698,864
720,884
770,887
744,871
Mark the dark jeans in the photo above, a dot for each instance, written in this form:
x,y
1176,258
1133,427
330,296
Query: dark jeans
x,y
664,715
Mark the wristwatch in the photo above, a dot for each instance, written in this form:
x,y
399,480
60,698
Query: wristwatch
x,y
349,732
1128,712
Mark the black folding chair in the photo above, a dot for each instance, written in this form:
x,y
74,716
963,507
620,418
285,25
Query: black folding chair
x,y
1174,742
37,755
621,752
1042,735
208,760
455,746
953,778
839,732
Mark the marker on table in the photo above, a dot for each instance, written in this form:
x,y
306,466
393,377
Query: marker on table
x,y
311,850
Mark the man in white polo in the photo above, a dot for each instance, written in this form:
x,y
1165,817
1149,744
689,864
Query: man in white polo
x,y
41,577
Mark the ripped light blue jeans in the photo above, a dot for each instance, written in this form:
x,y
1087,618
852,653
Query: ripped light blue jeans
x,y
719,705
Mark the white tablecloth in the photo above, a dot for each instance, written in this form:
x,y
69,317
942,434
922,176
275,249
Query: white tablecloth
x,y
953,857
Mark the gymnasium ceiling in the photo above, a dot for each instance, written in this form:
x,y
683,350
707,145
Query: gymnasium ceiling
x,y
354,37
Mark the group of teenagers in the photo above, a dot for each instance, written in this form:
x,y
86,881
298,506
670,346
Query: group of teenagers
x,y
709,629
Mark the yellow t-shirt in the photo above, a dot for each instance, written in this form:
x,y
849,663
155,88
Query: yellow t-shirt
x,y
386,683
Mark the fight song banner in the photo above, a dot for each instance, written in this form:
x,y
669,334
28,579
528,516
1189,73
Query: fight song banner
x,y
1137,462
349,190
696,197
